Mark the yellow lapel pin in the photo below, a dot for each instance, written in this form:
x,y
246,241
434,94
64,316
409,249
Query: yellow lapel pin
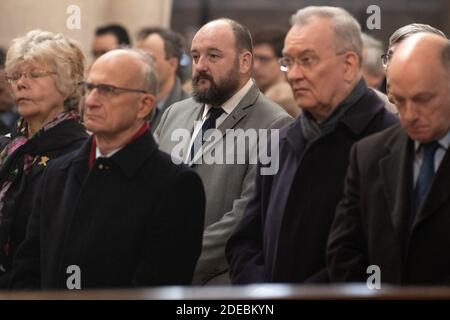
x,y
43,161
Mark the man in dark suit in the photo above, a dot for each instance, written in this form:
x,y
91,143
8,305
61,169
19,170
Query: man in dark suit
x,y
166,48
224,91
282,235
106,215
396,211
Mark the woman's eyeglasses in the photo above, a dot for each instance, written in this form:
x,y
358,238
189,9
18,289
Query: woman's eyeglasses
x,y
12,78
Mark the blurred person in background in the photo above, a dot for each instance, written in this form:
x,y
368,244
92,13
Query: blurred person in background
x,y
268,45
109,37
373,70
8,115
166,48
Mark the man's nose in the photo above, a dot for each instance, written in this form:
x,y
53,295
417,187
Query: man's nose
x,y
201,64
295,72
410,112
92,98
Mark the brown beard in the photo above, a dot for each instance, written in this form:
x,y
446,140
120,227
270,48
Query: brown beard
x,y
217,93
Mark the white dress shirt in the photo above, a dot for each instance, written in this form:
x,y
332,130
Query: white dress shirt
x,y
98,154
228,107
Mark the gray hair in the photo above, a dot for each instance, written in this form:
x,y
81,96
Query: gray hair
x,y
406,31
57,52
372,57
150,80
445,56
345,26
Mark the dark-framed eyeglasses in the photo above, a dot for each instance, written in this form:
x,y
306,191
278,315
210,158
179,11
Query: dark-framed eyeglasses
x,y
106,90
287,63
305,61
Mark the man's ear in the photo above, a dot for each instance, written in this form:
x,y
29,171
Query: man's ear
x,y
173,62
146,105
245,62
352,66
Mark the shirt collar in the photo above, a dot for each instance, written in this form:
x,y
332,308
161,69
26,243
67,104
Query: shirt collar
x,y
231,103
98,154
95,153
444,142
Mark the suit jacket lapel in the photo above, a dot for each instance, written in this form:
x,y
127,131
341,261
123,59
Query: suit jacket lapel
x,y
396,172
193,117
439,191
291,152
230,122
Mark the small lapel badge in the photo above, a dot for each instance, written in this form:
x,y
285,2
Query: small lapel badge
x,y
43,161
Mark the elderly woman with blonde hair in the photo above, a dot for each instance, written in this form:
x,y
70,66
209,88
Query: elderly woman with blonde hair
x,y
44,71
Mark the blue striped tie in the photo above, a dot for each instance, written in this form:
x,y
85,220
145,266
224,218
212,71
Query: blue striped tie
x,y
426,174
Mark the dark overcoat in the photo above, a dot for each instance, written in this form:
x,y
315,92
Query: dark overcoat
x,y
134,219
283,234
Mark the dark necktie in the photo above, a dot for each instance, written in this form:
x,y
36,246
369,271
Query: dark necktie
x,y
209,123
426,174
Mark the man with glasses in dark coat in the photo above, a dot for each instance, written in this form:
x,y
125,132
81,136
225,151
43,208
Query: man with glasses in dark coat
x,y
117,212
283,234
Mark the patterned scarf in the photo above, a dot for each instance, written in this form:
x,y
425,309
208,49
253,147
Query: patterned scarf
x,y
17,158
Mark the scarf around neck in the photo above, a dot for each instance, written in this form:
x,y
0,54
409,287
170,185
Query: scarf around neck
x,y
16,160
312,130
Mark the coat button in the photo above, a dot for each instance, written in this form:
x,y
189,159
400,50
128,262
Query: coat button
x,y
100,166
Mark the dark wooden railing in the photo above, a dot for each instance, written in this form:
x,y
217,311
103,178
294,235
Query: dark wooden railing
x,y
250,292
